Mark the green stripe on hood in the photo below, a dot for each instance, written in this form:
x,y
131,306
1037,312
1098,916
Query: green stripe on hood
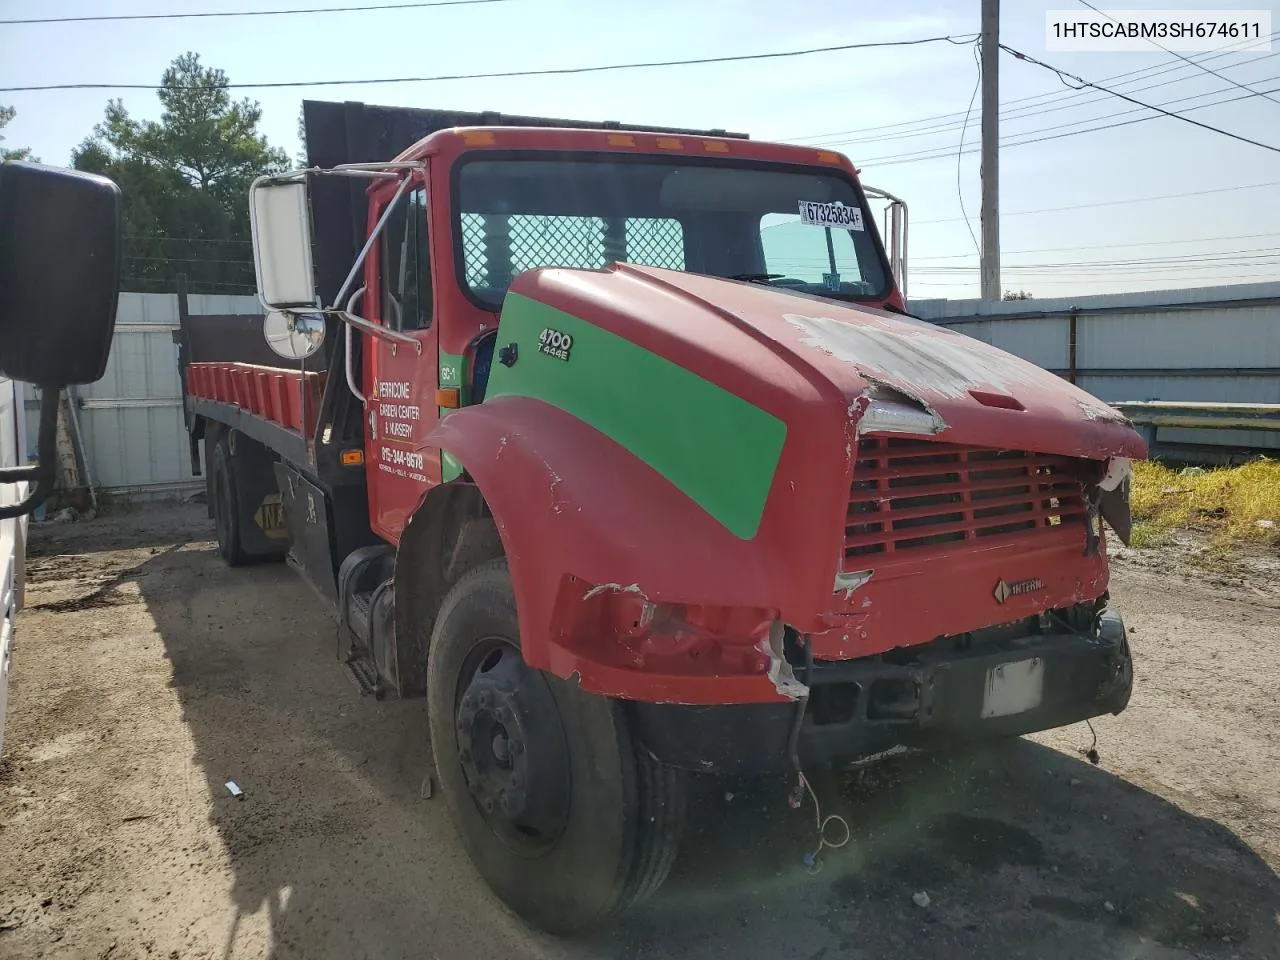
x,y
717,448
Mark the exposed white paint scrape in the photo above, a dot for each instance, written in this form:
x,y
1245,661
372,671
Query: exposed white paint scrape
x,y
846,583
780,673
915,353
1097,410
612,588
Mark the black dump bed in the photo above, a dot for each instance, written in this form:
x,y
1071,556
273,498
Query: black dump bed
x,y
354,132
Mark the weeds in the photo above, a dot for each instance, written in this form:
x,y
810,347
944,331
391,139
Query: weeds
x,y
1231,505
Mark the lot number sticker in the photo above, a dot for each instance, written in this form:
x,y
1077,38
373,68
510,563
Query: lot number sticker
x,y
830,215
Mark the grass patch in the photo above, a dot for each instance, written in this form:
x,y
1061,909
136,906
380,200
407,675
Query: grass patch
x,y
1227,503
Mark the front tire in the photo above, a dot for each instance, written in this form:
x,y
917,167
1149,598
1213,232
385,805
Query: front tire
x,y
567,819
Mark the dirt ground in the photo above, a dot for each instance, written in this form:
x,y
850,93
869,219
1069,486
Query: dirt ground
x,y
147,674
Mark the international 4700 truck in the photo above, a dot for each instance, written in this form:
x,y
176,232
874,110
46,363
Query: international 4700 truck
x,y
617,444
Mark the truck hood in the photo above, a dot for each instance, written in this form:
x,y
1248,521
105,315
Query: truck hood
x,y
892,373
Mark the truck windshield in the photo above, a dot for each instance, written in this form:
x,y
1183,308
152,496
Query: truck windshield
x,y
792,227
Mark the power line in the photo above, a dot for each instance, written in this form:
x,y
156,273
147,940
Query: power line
x,y
1102,246
1036,110
550,71
940,153
1111,203
255,13
1186,59
1075,281
1040,98
1257,253
1064,76
977,59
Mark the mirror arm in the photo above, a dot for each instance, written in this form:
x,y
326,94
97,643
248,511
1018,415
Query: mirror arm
x,y
368,244
376,330
42,471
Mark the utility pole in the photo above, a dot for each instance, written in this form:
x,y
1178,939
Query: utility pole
x,y
990,150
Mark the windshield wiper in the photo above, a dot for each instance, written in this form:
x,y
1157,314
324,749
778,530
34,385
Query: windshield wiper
x,y
757,277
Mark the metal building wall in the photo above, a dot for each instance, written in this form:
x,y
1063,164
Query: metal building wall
x,y
1203,345
131,420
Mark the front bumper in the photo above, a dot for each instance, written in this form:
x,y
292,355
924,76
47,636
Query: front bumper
x,y
929,697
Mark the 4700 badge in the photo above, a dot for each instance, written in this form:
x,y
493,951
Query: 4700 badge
x,y
555,344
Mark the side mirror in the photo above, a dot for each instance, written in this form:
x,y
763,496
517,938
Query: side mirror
x,y
59,273
294,336
280,221
59,284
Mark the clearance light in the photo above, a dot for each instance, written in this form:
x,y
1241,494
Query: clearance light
x,y
621,140
826,156
669,143
478,138
352,458
448,397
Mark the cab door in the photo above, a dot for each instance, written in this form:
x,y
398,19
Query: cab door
x,y
400,377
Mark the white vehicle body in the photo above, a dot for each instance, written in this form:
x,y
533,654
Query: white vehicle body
x,y
13,533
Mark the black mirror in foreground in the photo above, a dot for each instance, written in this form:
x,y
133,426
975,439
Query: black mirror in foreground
x,y
59,283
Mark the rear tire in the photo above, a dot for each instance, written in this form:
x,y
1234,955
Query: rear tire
x,y
567,819
226,507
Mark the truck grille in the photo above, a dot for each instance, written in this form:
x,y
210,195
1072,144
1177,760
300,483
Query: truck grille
x,y
915,495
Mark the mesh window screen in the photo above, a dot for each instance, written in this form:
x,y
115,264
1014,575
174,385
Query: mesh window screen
x,y
473,259
655,243
555,241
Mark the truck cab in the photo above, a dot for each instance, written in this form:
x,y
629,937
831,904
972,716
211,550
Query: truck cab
x,y
619,447
487,205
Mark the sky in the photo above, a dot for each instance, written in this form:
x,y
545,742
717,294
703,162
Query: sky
x,y
1077,216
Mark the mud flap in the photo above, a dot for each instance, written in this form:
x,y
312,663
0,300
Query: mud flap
x,y
259,514
307,515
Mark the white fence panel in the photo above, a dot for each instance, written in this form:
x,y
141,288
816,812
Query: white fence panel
x,y
134,437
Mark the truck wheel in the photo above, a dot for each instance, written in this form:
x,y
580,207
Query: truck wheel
x,y
565,817
226,516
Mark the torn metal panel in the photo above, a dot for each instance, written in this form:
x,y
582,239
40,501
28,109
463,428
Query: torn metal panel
x,y
887,410
1115,508
780,673
846,583
1118,471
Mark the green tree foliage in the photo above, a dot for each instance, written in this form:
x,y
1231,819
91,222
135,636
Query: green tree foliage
x,y
185,181
7,114
1017,295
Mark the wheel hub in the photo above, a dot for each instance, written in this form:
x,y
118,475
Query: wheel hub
x,y
512,750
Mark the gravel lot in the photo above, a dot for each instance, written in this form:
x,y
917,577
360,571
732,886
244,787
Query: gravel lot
x,y
147,674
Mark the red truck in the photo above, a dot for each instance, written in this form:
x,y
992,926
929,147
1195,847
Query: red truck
x,y
617,444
